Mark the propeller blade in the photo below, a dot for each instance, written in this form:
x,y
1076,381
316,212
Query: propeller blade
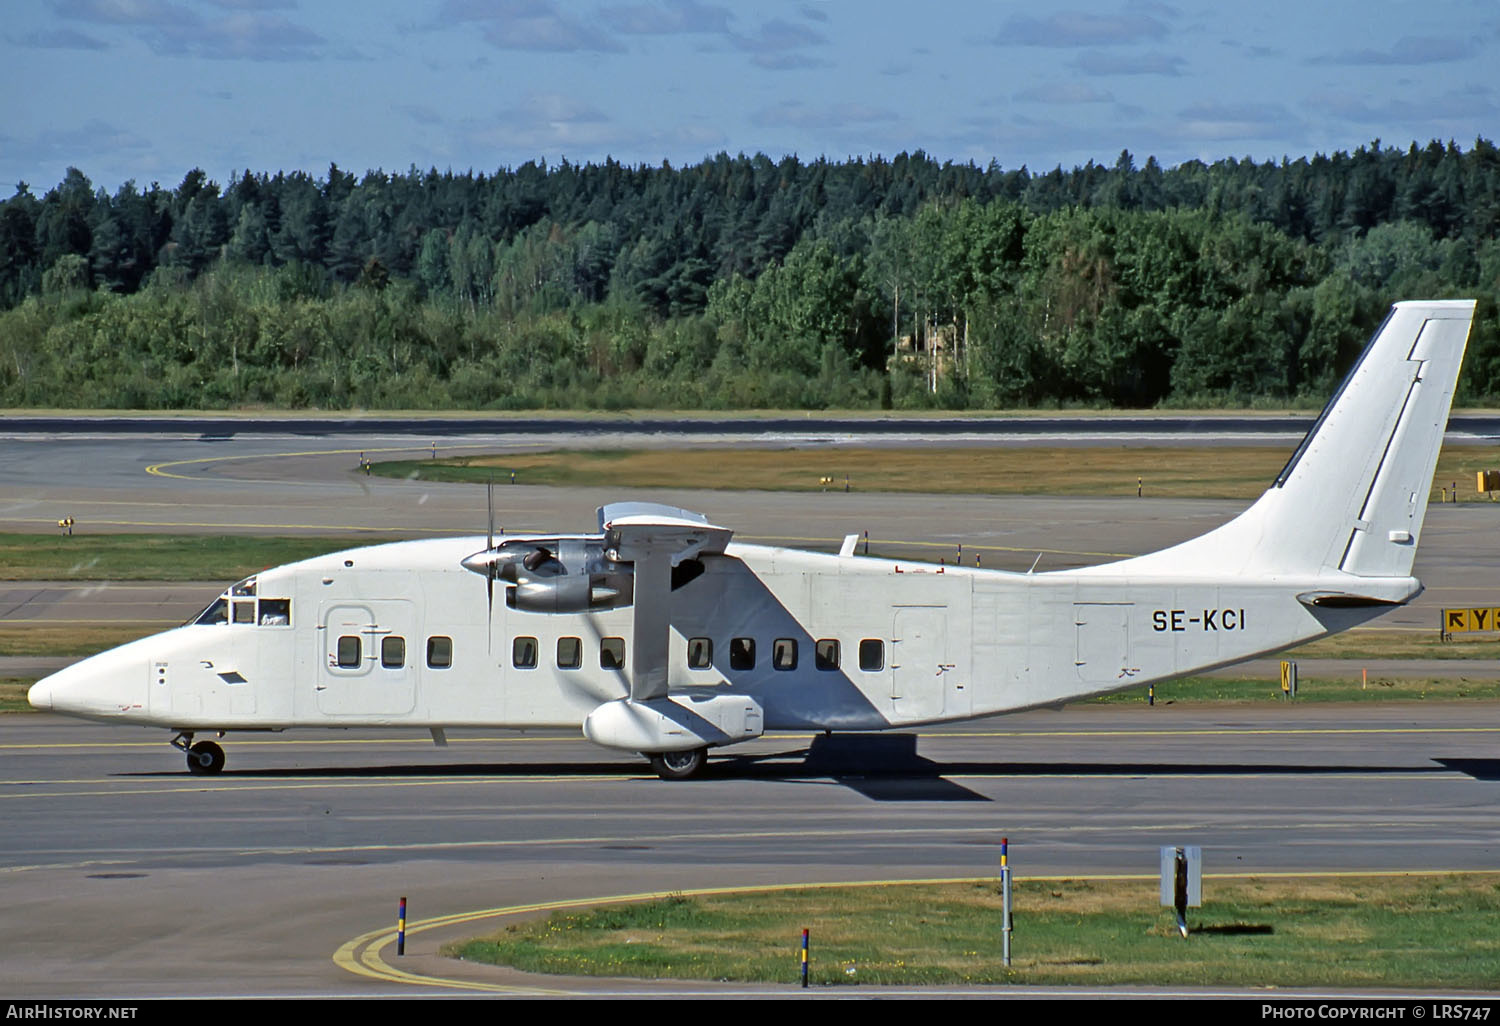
x,y
489,573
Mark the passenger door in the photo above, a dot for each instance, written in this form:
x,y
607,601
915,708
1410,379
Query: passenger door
x,y
368,663
919,661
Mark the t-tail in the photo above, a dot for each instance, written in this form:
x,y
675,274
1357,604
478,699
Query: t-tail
x,y
1348,506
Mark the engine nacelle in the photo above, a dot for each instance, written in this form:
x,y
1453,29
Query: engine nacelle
x,y
557,574
570,594
675,724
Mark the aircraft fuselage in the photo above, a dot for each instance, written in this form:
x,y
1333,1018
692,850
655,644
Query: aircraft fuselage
x,y
397,635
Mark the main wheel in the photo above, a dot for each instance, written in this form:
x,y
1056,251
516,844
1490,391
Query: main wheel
x,y
205,758
679,765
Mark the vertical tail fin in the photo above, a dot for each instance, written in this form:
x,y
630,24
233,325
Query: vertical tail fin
x,y
1353,496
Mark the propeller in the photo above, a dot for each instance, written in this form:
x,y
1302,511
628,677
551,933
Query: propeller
x,y
489,570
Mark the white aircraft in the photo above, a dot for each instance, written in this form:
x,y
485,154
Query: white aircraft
x,y
657,635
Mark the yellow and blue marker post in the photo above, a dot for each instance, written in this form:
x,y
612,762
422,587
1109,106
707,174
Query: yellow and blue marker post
x,y
401,928
804,958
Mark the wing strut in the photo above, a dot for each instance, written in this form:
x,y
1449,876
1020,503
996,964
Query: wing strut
x,y
655,539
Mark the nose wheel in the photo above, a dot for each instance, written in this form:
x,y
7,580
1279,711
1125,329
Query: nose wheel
x,y
203,759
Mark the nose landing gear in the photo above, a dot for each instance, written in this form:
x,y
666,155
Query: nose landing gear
x,y
204,758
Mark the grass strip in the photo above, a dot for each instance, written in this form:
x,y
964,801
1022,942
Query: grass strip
x,y
157,557
13,694
1164,472
1373,643
1377,931
1250,690
46,641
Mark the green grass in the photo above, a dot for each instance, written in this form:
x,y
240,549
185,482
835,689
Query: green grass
x,y
1374,643
1069,471
156,557
70,639
1175,472
1313,689
13,694
1392,931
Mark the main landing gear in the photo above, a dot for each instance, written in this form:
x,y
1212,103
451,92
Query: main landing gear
x,y
204,758
678,765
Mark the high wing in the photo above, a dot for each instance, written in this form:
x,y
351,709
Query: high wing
x,y
655,538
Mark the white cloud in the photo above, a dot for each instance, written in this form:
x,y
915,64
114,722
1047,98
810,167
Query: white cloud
x,y
1064,92
1409,50
1236,121
1080,28
529,25
671,17
1096,62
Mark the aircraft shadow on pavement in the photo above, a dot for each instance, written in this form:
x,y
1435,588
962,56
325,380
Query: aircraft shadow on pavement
x,y
1479,769
882,767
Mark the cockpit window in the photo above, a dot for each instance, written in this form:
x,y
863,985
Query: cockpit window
x,y
244,611
275,612
245,588
218,612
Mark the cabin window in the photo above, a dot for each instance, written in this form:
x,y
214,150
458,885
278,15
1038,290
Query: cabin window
x,y
244,611
826,654
784,654
523,653
392,652
275,612
700,653
611,653
569,653
348,652
742,653
439,652
216,613
871,654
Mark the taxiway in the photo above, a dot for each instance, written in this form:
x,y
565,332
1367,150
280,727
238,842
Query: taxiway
x,y
121,876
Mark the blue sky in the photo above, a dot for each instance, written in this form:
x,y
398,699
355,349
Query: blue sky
x,y
148,89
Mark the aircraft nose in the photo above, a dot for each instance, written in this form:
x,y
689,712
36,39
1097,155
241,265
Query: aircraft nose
x,y
40,695
99,686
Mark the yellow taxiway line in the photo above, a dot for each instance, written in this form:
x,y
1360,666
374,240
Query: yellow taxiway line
x,y
158,469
